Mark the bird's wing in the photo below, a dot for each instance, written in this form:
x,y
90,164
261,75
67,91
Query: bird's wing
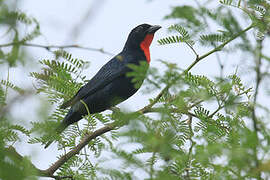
x,y
110,71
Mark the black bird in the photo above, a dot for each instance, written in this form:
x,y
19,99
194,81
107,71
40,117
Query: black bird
x,y
110,85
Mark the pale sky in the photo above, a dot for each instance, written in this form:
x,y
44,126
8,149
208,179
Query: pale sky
x,y
108,28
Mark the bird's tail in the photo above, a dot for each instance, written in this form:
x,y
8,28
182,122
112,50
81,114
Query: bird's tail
x,y
70,118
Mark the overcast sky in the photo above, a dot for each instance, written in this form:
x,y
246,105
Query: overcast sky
x,y
108,27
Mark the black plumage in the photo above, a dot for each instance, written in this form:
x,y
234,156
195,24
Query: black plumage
x,y
110,85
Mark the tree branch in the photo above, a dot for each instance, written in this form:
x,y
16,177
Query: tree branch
x,y
218,48
49,47
258,61
198,59
192,144
63,159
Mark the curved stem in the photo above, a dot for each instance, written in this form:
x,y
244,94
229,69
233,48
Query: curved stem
x,y
258,62
198,59
218,48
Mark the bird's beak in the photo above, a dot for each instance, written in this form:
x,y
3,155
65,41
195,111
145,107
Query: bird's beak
x,y
153,29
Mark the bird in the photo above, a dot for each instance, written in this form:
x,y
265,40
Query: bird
x,y
110,85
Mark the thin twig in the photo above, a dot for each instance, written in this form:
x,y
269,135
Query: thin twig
x,y
152,163
265,57
258,62
198,58
192,143
63,177
218,109
193,50
221,65
156,99
174,110
239,3
49,47
218,48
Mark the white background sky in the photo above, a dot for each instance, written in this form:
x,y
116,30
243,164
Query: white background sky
x,y
108,28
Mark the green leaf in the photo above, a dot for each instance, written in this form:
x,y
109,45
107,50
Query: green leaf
x,y
187,13
12,86
14,54
184,36
138,73
226,2
213,38
170,40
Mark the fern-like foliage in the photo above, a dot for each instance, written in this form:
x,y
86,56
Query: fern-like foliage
x,y
57,75
184,36
165,138
59,79
8,84
213,38
170,40
184,33
226,2
138,73
13,20
196,21
78,63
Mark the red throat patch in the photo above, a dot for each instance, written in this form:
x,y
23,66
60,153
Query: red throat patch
x,y
145,44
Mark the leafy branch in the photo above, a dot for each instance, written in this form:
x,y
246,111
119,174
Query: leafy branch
x,y
192,144
219,48
184,37
84,142
199,58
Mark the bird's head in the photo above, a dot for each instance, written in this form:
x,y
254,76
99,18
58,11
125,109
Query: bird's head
x,y
141,35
